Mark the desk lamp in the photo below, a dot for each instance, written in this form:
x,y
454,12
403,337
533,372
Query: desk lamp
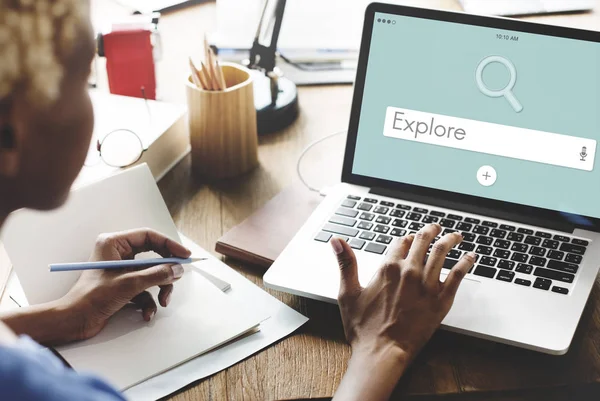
x,y
275,97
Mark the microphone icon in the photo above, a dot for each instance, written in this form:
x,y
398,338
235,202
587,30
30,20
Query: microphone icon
x,y
583,153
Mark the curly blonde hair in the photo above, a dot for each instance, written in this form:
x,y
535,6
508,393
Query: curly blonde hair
x,y
36,37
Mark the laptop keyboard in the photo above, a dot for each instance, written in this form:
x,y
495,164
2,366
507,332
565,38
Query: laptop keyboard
x,y
506,252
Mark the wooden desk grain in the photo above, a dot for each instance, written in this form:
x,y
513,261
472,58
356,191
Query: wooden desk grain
x,y
309,364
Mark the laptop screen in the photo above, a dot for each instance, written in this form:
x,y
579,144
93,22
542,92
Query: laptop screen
x,y
499,114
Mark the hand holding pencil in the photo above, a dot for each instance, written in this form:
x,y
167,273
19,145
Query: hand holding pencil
x,y
210,76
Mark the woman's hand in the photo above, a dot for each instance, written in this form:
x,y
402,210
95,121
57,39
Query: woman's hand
x,y
388,322
99,294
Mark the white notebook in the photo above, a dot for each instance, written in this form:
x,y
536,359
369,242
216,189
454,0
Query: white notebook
x,y
128,351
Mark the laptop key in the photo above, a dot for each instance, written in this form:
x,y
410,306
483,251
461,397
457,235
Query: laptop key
x,y
507,227
454,254
521,281
548,243
573,258
580,242
430,219
472,220
505,275
560,290
506,264
449,263
462,226
483,250
367,216
380,228
383,220
519,248
557,255
344,211
400,223
364,225
397,213
420,210
403,207
375,248
454,217
542,283
448,231
501,253
525,231
482,239
336,229
537,261
519,257
437,213
344,221
561,238
468,237
500,243
554,275
563,266
371,200
571,248
349,203
386,203
381,210
369,236
353,197
524,268
356,243
384,239
489,224
496,233
488,261
416,226
342,237
531,240
515,237
481,230
323,237
485,271
537,251
543,234
365,206
447,223
466,246
398,232
414,216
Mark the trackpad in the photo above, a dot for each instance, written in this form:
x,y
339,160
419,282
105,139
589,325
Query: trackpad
x,y
466,306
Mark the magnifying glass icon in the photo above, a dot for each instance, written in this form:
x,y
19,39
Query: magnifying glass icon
x,y
506,92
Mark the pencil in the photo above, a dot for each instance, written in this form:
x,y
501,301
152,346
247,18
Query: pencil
x,y
220,75
206,75
212,70
195,75
120,264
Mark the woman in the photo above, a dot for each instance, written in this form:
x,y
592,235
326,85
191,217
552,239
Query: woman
x,y
46,121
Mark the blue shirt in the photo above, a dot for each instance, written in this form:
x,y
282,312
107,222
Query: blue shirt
x,y
29,372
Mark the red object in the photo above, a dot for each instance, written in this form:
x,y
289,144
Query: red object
x,y
130,63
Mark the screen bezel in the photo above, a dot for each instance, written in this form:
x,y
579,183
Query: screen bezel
x,y
564,218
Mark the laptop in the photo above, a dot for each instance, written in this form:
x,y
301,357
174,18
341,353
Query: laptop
x,y
487,126
526,7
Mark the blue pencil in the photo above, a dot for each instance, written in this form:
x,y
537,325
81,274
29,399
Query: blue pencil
x,y
120,264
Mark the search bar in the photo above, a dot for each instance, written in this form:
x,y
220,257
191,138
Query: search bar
x,y
494,139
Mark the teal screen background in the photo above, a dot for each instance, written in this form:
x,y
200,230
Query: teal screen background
x,y
429,66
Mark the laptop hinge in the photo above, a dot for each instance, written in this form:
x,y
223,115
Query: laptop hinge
x,y
499,214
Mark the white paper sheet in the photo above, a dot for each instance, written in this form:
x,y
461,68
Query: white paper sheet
x,y
35,239
284,321
129,350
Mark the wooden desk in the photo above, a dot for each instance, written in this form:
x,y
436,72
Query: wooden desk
x,y
310,363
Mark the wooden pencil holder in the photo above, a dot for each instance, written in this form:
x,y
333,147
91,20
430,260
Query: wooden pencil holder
x,y
223,131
